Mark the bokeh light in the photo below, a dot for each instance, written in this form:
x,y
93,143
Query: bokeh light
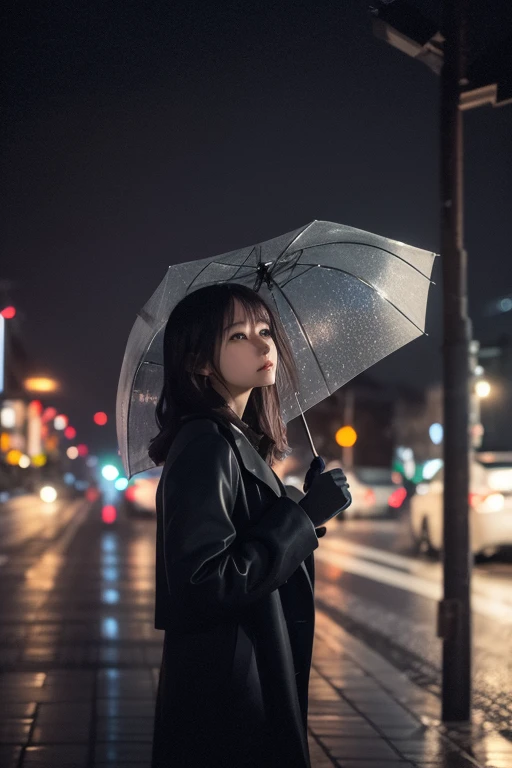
x,y
48,494
100,418
110,472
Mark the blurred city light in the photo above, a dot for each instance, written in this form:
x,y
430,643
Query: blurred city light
x,y
100,418
436,433
110,472
346,437
24,461
72,452
49,414
8,417
430,468
69,478
8,313
40,384
121,483
70,433
48,494
36,407
92,461
108,514
13,457
39,460
92,494
5,442
397,498
482,388
60,422
82,449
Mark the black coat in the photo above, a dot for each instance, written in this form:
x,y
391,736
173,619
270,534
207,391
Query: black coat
x,y
234,594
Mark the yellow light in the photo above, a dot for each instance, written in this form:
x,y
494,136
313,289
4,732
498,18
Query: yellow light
x,y
5,442
13,457
483,388
346,437
24,461
40,384
39,460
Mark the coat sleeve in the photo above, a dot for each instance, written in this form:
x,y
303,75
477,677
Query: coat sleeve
x,y
211,571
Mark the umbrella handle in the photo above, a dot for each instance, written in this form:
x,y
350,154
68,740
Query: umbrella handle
x,y
316,468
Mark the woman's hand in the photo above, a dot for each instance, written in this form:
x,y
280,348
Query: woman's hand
x,y
327,497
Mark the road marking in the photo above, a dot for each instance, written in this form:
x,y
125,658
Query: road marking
x,y
489,587
409,582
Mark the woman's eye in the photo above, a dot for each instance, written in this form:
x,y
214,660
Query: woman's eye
x,y
243,334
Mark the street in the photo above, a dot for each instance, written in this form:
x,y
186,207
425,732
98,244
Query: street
x,y
368,579
79,656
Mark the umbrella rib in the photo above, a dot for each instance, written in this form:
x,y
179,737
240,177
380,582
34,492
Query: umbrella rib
x,y
296,238
285,297
337,269
379,248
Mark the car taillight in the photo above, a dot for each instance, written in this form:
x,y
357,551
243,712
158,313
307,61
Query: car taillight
x,y
492,502
129,494
369,496
397,498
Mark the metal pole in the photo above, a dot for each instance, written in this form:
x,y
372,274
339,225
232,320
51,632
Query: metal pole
x,y
454,610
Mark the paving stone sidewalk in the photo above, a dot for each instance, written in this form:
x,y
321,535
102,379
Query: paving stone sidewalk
x,y
364,713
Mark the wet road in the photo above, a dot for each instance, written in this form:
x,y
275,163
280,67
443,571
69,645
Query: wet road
x,y
372,583
76,622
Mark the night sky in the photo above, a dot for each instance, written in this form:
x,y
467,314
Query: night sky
x,y
138,135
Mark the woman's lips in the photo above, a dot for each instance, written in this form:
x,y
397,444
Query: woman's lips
x,y
266,367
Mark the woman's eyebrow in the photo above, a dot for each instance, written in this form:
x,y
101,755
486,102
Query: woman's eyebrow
x,y
243,322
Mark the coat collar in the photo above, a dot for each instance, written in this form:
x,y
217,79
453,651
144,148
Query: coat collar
x,y
254,463
249,456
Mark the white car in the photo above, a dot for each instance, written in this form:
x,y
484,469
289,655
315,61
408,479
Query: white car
x,y
490,506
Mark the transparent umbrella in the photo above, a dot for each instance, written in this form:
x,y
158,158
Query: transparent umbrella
x,y
346,298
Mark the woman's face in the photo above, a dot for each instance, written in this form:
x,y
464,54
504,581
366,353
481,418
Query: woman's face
x,y
244,349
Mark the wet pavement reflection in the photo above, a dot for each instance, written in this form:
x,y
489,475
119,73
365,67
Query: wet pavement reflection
x,y
79,660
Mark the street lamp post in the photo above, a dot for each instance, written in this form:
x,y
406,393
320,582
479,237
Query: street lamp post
x,y
454,617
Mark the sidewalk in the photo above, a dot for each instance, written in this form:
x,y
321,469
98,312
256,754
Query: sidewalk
x,y
364,713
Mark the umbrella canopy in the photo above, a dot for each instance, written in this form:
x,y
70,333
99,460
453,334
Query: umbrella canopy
x,y
346,298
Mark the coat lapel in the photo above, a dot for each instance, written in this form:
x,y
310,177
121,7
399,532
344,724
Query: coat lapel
x,y
254,463
248,455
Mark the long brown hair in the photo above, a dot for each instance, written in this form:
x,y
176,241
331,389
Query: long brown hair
x,y
192,342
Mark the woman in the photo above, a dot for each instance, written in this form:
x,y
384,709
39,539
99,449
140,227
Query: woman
x,y
234,570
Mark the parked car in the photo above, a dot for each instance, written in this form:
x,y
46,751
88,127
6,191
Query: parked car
x,y
490,507
140,495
